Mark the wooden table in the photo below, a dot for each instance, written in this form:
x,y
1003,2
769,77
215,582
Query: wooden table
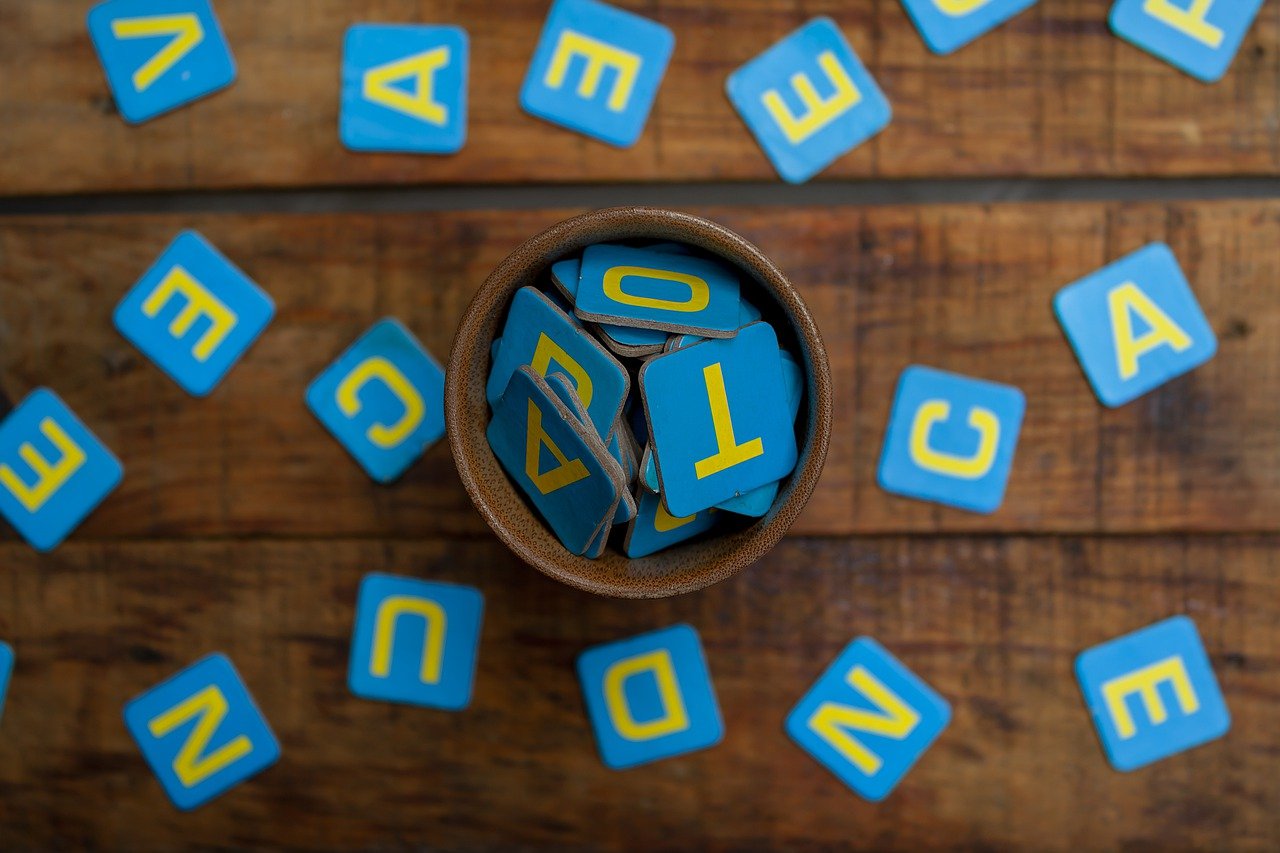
x,y
241,526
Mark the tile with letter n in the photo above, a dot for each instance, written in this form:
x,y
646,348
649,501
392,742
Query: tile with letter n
x,y
808,100
53,470
718,412
1200,37
597,70
951,439
201,732
868,719
6,672
948,25
194,314
1152,693
415,641
1135,324
160,54
383,399
650,697
404,88
654,529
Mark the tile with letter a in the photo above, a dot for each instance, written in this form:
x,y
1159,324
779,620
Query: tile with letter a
x,y
718,411
650,697
6,672
1200,37
194,314
53,470
201,732
868,719
383,399
654,529
948,25
160,54
597,70
1135,325
415,642
808,100
1152,693
404,88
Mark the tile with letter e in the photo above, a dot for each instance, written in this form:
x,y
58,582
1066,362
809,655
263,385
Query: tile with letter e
x,y
951,439
597,70
650,697
1200,37
1152,693
808,100
53,470
160,54
868,719
201,732
415,642
194,314
404,88
718,412
948,25
654,529
6,671
1135,324
383,399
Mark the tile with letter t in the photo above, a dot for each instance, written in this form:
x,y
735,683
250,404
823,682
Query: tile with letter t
x,y
194,314
597,70
415,641
201,732
53,470
383,399
951,439
1152,693
6,671
1200,37
650,697
868,719
1135,324
808,100
404,88
160,54
948,25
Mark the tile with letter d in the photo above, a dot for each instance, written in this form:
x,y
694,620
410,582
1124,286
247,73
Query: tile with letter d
x,y
808,100
1200,37
201,732
194,314
383,399
951,439
404,88
948,25
160,54
650,697
6,672
1152,693
53,470
868,719
597,70
1135,324
415,641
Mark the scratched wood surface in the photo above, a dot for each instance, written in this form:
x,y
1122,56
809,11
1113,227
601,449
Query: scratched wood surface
x,y
1052,93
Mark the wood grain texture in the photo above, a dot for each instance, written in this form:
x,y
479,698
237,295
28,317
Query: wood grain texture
x,y
994,625
1052,93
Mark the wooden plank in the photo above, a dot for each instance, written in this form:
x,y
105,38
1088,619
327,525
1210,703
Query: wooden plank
x,y
1053,93
994,625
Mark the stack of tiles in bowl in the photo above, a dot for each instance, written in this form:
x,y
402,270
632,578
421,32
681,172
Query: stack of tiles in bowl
x,y
639,391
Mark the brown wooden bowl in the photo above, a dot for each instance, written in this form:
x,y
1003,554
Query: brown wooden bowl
x,y
683,568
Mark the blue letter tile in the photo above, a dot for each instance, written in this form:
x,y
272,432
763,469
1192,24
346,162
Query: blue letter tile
x,y
1201,37
948,25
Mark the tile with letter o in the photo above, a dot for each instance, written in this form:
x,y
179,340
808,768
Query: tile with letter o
x,y
6,671
948,25
1135,324
868,719
627,340
201,732
53,470
194,314
160,54
951,439
1200,37
383,399
415,641
404,88
1152,693
654,529
597,70
808,100
650,697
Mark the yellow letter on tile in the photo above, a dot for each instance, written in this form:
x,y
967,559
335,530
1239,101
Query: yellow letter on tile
x,y
833,721
1126,298
820,113
565,474
207,708
548,351
186,33
964,467
674,716
599,56
385,436
699,292
49,476
1145,682
728,451
200,303
389,611
957,8
422,67
1190,20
